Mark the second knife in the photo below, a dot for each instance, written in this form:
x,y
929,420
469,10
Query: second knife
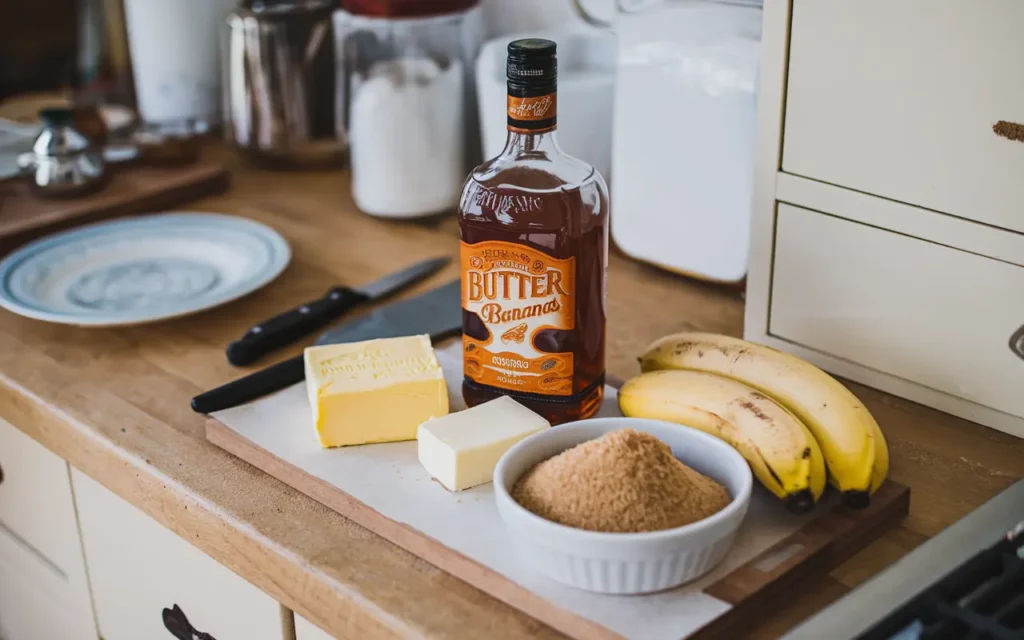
x,y
286,328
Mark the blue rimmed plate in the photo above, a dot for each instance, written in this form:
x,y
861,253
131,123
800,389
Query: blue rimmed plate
x,y
141,269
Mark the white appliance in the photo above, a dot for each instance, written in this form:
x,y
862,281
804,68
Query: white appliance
x,y
888,240
683,134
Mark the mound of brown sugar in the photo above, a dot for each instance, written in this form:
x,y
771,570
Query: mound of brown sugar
x,y
625,481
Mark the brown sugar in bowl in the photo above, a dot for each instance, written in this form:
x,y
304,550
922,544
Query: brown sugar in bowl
x,y
624,563
626,481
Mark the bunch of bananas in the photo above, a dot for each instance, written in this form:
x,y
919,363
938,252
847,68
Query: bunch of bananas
x,y
796,425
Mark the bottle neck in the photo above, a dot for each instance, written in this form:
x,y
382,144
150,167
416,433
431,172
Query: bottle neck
x,y
519,143
532,118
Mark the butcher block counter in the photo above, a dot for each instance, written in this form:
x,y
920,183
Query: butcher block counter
x,y
115,404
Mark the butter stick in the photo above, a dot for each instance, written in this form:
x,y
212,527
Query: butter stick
x,y
462,449
374,391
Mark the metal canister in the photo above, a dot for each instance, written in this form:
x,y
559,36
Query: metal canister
x,y
63,163
279,82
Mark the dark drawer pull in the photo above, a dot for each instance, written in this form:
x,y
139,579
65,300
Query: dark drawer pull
x,y
1009,130
179,626
1017,342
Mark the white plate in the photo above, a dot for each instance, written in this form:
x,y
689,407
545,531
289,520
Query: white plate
x,y
141,269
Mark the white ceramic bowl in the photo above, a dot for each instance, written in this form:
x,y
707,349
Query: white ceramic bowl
x,y
624,563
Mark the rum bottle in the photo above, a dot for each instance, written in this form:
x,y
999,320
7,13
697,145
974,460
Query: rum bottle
x,y
534,251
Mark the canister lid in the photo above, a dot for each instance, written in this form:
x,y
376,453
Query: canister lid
x,y
406,8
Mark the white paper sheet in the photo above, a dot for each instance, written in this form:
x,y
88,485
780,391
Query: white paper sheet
x,y
389,479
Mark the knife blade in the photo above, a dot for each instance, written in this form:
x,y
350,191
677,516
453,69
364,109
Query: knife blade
x,y
287,327
437,313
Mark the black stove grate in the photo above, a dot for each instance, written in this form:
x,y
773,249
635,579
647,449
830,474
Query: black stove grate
x,y
982,599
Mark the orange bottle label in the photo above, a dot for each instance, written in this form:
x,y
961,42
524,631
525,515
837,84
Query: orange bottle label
x,y
517,292
533,108
535,114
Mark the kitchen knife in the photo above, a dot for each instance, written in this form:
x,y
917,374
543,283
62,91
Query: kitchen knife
x,y
283,329
437,313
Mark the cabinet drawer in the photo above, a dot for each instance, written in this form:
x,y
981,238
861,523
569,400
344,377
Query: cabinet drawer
x,y
937,316
138,568
33,607
898,98
43,588
36,506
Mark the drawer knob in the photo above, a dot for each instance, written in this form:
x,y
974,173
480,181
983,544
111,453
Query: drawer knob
x,y
1017,342
179,626
1009,130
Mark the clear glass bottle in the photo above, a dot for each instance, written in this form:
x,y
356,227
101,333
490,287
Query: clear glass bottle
x,y
534,251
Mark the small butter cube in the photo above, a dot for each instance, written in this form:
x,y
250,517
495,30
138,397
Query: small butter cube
x,y
462,449
374,391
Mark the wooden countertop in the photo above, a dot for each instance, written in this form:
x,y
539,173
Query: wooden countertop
x,y
115,404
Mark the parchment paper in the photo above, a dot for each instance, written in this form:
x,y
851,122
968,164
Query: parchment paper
x,y
389,479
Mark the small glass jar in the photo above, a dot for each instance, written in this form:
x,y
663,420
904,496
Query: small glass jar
x,y
406,95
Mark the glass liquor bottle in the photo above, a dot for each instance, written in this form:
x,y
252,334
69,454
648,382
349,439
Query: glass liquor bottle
x,y
534,251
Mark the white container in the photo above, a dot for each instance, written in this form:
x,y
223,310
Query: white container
x,y
586,82
406,138
175,58
624,563
406,95
683,137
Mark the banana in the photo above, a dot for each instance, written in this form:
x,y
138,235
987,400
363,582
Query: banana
x,y
850,439
880,471
781,451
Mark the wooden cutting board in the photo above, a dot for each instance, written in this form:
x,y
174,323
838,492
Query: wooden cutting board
x,y
383,488
138,189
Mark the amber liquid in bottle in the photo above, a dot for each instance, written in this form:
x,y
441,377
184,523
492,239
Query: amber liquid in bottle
x,y
534,230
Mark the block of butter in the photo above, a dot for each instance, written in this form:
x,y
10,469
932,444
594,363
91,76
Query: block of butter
x,y
374,391
462,449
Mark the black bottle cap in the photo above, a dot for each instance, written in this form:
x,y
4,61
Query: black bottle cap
x,y
532,64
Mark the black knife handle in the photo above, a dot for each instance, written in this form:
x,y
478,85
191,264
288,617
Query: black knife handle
x,y
286,328
250,387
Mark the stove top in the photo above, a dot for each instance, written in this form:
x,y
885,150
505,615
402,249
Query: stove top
x,y
967,583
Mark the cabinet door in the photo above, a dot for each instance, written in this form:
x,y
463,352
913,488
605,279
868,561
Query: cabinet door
x,y
44,592
138,569
306,630
913,309
899,98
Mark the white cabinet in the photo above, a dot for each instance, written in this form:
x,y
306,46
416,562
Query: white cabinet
x,y
887,239
138,569
898,98
900,305
306,630
44,591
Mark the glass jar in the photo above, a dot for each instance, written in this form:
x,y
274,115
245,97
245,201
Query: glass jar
x,y
406,95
